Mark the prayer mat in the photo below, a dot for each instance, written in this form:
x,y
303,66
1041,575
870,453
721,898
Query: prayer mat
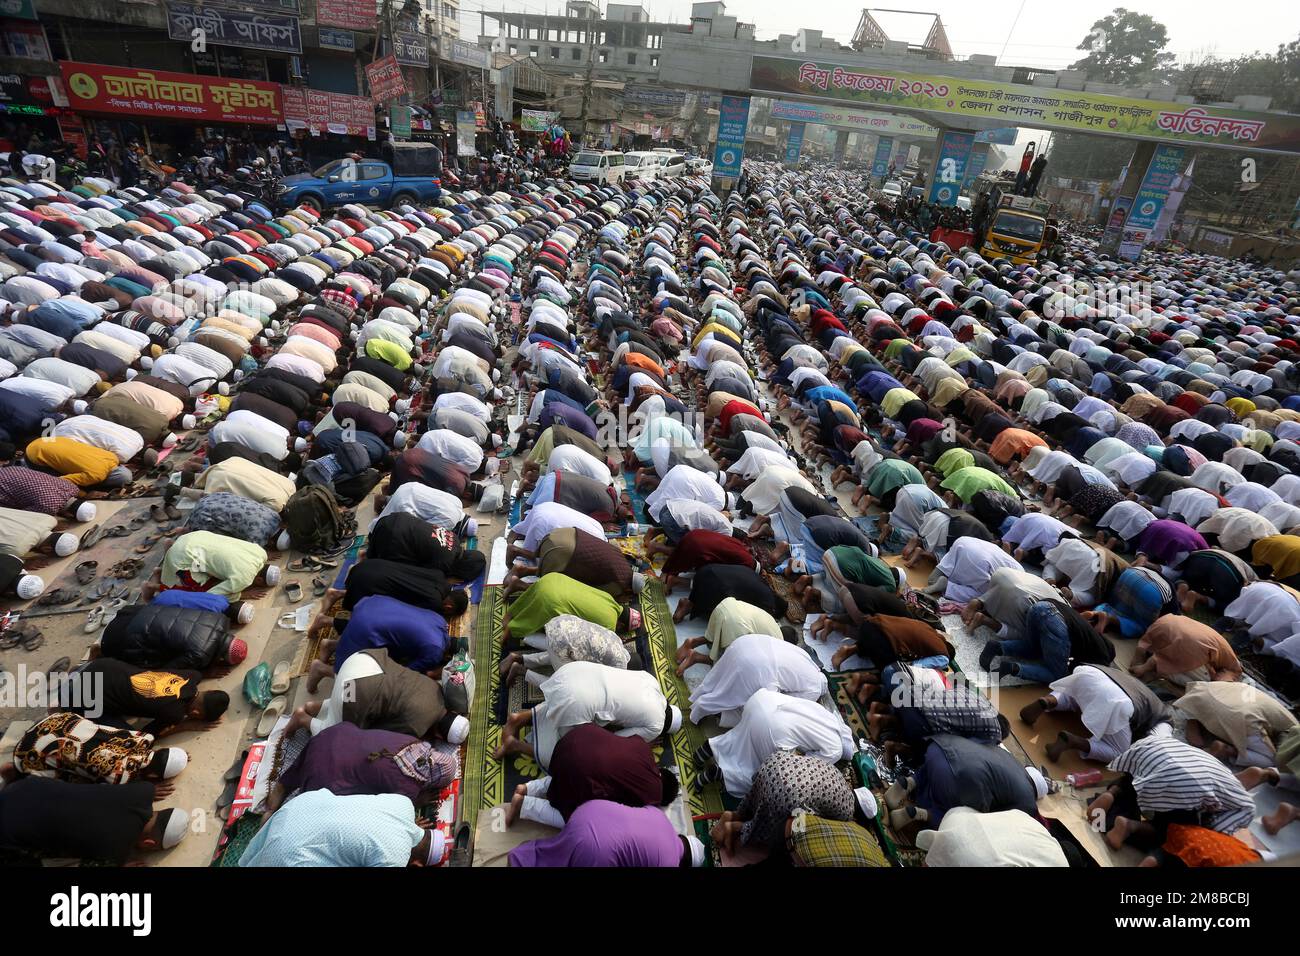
x,y
783,586
636,498
488,782
235,838
657,622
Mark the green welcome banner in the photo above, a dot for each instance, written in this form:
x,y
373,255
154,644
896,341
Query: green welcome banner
x,y
1013,104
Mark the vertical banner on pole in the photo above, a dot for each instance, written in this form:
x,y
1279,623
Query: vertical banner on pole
x,y
950,169
733,121
880,165
794,144
841,146
1152,194
975,165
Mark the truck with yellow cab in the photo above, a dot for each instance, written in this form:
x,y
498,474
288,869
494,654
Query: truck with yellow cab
x,y
1018,228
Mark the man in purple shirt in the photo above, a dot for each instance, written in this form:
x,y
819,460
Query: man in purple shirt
x,y
602,833
413,636
346,760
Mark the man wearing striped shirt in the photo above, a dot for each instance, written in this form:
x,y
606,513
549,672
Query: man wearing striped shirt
x,y
1169,781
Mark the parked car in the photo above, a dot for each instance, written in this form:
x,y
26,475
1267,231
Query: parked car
x,y
671,164
698,166
598,166
414,175
641,165
892,191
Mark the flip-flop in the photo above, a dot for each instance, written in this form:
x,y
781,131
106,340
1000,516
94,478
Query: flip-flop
x,y
33,640
294,591
126,569
85,571
280,678
138,522
274,710
61,666
58,597
120,531
319,586
92,537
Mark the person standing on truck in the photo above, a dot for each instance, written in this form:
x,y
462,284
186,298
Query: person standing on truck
x,y
1035,174
1022,177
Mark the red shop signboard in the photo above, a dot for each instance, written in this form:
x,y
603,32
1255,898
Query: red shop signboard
x,y
158,94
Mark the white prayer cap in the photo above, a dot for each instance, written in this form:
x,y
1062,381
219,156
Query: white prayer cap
x,y
471,527
674,719
146,362
1040,782
245,613
300,444
131,373
399,439
867,801
273,575
178,824
223,388
30,586
458,732
79,407
282,542
697,850
437,844
86,511
177,760
66,544
170,440
497,441
188,422
402,405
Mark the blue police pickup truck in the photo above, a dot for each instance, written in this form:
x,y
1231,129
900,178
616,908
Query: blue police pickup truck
x,y
409,173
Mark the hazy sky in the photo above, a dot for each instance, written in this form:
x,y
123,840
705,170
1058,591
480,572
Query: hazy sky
x,y
1045,33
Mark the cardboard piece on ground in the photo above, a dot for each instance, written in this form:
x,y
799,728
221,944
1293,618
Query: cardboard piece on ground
x,y
918,576
1010,701
492,844
1069,807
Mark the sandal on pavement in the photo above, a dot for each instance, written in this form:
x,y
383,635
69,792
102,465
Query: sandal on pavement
x,y
319,586
280,678
58,596
270,716
92,537
85,571
61,666
126,569
294,591
32,640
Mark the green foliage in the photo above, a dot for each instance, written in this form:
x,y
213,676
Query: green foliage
x,y
1125,47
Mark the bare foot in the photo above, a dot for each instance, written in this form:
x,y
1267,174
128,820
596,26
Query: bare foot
x,y
318,672
1117,834
1033,710
1284,815
516,804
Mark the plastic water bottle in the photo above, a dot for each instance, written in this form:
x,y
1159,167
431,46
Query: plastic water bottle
x,y
1084,778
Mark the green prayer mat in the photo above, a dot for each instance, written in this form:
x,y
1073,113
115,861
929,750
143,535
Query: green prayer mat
x,y
489,782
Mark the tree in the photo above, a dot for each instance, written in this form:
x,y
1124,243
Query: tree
x,y
1125,47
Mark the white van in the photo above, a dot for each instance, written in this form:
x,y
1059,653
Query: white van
x,y
642,165
597,166
671,164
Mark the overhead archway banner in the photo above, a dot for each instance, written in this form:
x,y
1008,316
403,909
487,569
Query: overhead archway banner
x,y
1014,104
